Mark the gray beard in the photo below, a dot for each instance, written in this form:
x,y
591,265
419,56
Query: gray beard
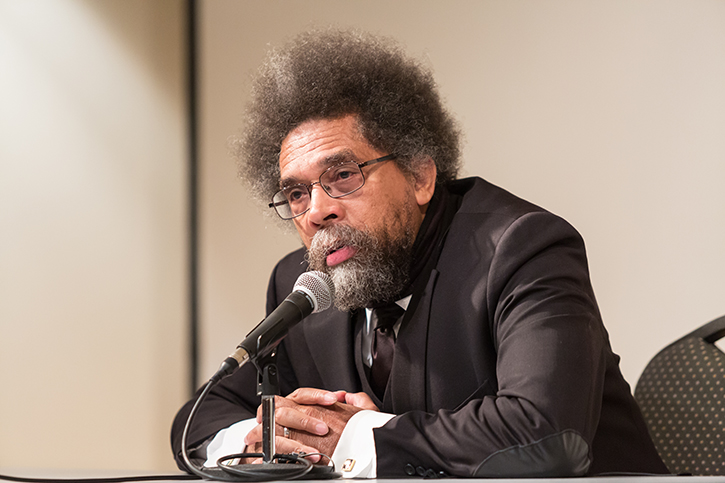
x,y
378,272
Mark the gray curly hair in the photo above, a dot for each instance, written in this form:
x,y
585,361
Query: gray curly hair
x,y
330,74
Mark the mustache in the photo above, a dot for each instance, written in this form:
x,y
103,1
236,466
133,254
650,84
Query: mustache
x,y
335,237
332,238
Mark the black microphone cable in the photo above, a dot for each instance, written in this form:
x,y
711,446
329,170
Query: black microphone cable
x,y
313,292
286,468
119,479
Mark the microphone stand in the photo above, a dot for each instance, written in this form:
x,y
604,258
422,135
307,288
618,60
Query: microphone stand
x,y
268,388
287,466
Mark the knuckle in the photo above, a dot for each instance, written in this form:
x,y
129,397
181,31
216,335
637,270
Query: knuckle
x,y
305,422
309,411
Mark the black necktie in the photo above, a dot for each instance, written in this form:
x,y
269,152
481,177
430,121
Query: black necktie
x,y
383,318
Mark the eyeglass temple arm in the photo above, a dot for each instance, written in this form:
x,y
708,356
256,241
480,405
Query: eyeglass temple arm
x,y
379,160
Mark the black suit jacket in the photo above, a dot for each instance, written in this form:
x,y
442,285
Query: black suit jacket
x,y
502,364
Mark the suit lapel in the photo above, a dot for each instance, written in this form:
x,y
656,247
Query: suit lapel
x,y
329,337
407,389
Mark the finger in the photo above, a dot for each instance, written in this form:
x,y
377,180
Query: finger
x,y
285,446
252,449
288,446
308,395
295,416
341,396
302,420
360,400
257,433
254,436
278,402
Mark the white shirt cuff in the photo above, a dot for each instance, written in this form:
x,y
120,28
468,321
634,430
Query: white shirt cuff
x,y
228,441
355,455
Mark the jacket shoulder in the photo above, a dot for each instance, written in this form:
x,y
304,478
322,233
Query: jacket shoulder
x,y
481,196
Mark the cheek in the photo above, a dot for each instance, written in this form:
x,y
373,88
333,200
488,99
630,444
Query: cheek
x,y
403,199
304,236
381,208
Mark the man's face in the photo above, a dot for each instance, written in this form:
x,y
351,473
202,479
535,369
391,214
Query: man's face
x,y
363,239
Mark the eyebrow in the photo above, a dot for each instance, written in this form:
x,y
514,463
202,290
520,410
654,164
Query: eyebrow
x,y
323,164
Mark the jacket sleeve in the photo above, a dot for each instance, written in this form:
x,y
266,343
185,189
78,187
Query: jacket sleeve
x,y
542,411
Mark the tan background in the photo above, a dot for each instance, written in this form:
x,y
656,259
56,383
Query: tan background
x,y
93,359
609,113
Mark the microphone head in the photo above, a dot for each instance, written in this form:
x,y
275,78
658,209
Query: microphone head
x,y
319,288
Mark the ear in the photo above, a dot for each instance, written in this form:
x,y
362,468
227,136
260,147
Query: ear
x,y
425,181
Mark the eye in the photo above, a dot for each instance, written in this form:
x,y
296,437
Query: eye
x,y
296,194
344,173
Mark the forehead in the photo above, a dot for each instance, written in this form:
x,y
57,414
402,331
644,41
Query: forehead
x,y
315,144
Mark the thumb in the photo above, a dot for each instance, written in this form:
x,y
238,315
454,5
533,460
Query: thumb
x,y
360,400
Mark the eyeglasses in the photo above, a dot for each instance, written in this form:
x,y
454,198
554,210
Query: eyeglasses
x,y
337,181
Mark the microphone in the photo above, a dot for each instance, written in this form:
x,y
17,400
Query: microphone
x,y
313,292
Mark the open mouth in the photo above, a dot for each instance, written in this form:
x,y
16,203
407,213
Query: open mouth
x,y
332,250
339,254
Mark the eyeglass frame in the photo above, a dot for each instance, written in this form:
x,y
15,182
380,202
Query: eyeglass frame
x,y
309,187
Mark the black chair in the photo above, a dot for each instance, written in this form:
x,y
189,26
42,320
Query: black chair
x,y
682,396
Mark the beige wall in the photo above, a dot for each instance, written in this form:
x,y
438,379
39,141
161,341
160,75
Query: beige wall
x,y
609,113
92,233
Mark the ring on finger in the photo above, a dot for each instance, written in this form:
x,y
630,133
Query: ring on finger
x,y
286,431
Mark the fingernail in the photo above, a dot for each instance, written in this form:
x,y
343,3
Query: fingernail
x,y
330,397
321,428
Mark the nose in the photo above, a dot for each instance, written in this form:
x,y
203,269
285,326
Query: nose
x,y
324,210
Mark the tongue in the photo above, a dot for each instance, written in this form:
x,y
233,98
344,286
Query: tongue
x,y
339,256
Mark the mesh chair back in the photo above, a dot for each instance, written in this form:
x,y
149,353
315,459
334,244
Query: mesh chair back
x,y
682,396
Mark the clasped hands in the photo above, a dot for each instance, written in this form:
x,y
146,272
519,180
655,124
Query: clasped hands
x,y
315,419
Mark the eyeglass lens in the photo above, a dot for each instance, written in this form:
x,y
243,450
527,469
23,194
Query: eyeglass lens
x,y
337,181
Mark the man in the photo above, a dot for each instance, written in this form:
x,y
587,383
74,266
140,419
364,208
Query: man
x,y
497,362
